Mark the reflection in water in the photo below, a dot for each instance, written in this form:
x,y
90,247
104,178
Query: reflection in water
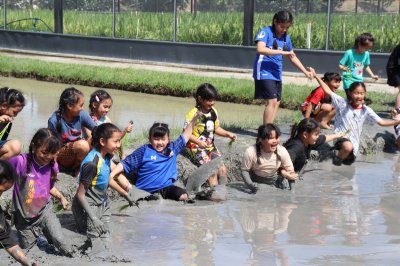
x,y
260,226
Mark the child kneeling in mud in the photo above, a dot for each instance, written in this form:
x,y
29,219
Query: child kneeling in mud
x,y
267,161
32,205
156,162
90,206
8,240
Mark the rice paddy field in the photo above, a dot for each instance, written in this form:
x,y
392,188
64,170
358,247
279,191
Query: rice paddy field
x,y
212,27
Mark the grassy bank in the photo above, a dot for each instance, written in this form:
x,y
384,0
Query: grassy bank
x,y
163,83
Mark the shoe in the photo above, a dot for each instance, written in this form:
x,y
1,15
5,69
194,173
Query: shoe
x,y
337,161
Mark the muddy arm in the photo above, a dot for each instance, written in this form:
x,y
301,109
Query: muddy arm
x,y
58,195
19,255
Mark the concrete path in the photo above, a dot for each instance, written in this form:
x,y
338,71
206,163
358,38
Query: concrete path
x,y
198,70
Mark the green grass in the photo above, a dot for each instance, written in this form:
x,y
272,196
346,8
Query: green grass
x,y
164,83
215,27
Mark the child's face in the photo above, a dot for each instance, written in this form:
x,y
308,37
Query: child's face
x,y
6,186
12,110
333,84
112,144
102,108
42,156
367,47
282,28
311,138
270,144
75,109
206,105
159,143
357,96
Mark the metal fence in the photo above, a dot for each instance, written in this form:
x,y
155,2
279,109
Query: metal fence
x,y
318,24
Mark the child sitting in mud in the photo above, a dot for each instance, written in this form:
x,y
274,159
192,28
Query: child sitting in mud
x,y
350,117
90,206
155,163
67,124
8,240
319,105
100,103
267,161
304,137
200,146
11,103
33,189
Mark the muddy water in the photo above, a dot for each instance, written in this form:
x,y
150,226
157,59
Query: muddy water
x,y
143,109
344,215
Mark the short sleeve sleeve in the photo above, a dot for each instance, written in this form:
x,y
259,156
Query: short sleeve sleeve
x,y
86,120
367,59
178,145
286,161
263,35
338,101
345,58
372,117
134,160
88,172
247,160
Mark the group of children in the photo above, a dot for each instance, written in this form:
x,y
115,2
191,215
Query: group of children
x,y
84,144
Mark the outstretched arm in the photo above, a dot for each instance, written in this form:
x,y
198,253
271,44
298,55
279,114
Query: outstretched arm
x,y
224,133
187,132
323,85
334,136
388,123
18,254
297,63
369,71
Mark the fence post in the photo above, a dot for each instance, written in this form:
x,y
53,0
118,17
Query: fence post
x,y
4,14
58,16
175,21
248,22
328,25
113,18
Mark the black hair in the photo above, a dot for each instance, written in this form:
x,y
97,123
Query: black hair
x,y
352,87
42,137
97,97
328,76
68,96
363,39
307,125
282,16
206,91
7,172
103,131
11,97
265,132
158,130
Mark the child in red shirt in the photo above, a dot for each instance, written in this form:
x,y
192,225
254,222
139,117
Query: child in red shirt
x,y
318,104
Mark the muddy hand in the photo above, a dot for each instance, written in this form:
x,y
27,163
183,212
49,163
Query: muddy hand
x,y
99,226
65,203
129,128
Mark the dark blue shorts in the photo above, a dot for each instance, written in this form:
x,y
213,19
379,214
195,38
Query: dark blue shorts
x,y
338,145
268,89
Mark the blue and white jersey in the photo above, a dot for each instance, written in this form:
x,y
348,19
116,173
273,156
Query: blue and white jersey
x,y
155,170
270,66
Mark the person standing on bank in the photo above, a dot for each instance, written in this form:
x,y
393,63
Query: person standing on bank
x,y
273,42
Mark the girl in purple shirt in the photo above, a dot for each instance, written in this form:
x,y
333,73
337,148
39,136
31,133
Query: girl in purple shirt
x,y
34,186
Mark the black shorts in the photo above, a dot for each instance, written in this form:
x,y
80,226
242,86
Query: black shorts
x,y
8,238
338,145
268,89
172,192
393,77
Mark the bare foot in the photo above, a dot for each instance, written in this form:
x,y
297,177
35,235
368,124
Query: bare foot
x,y
325,126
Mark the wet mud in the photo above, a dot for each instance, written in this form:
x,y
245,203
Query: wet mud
x,y
334,214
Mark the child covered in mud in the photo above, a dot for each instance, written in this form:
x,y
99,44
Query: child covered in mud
x,y
267,161
90,206
319,105
11,103
304,137
67,124
350,117
155,162
201,146
8,240
356,59
32,204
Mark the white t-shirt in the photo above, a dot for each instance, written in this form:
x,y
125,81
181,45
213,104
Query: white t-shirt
x,y
348,118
